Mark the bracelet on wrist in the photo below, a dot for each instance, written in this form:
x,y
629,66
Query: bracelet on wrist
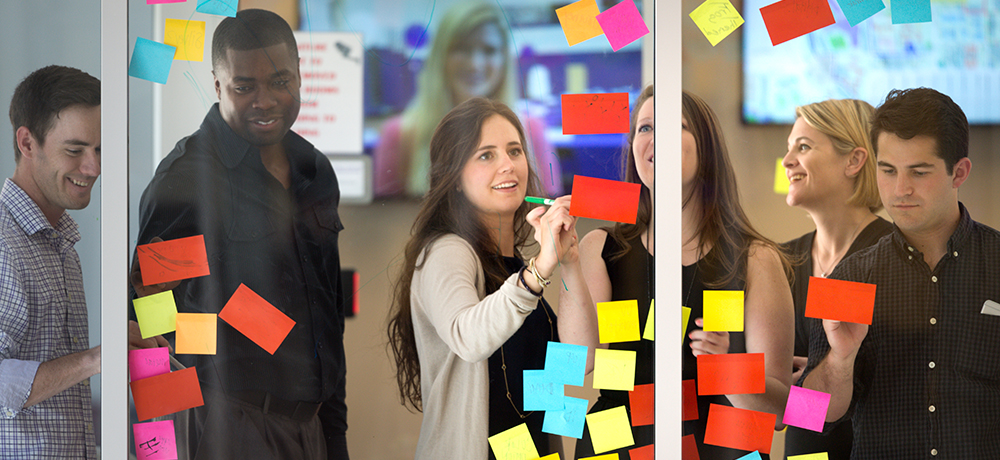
x,y
538,277
520,276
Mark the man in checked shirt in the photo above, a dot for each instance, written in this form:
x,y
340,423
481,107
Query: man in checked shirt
x,y
923,381
45,366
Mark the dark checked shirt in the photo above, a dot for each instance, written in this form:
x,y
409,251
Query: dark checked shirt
x,y
43,316
927,376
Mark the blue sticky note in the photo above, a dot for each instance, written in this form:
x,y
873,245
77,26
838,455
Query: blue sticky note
x,y
569,421
151,60
540,392
858,10
566,363
219,7
751,456
910,11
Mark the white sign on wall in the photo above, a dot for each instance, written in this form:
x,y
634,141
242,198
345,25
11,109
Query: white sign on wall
x,y
332,69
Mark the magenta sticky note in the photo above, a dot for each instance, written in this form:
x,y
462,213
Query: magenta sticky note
x,y
148,362
806,408
622,24
155,440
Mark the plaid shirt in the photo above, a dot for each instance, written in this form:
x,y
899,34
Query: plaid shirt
x,y
43,316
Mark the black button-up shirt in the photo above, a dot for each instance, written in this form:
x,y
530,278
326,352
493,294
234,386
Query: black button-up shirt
x,y
927,376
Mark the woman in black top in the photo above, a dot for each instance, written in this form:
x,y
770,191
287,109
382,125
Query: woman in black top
x,y
832,171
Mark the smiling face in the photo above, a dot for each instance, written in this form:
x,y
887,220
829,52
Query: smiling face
x,y
642,143
258,93
475,65
495,177
814,168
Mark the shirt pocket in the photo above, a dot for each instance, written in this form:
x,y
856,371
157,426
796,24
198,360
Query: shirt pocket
x,y
328,217
977,350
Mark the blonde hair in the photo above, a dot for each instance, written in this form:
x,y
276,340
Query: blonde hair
x,y
847,122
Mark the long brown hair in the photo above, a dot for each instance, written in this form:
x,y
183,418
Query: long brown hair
x,y
446,210
621,232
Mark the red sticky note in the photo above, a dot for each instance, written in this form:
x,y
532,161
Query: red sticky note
x,y
640,400
689,448
731,374
605,199
641,453
739,428
257,319
595,113
840,300
788,19
172,260
165,394
689,400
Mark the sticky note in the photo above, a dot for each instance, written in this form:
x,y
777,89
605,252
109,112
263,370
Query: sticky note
x,y
622,24
723,311
781,181
788,19
172,260
579,21
218,7
857,11
840,300
610,430
731,374
685,318
166,393
910,11
156,314
257,319
554,456
188,37
818,456
641,453
716,19
618,321
196,333
151,61
751,456
689,400
155,440
689,448
540,392
604,199
806,408
614,369
595,113
640,400
147,362
602,457
650,331
739,428
569,421
514,444
566,363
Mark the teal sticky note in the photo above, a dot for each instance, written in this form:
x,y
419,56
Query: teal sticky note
x,y
858,10
910,11
151,60
218,7
569,421
540,392
755,455
566,363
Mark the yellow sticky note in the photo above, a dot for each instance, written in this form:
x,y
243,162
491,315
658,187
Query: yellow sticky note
x,y
716,19
685,317
649,331
618,321
723,311
614,369
156,314
819,456
550,457
196,333
781,181
610,429
603,457
579,21
514,444
188,37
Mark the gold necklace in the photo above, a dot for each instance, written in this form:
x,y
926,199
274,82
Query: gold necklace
x,y
503,365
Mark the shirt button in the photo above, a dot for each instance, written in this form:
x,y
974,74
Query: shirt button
x,y
8,412
90,427
934,279
933,321
932,408
931,364
910,248
86,383
76,340
933,451
955,253
911,257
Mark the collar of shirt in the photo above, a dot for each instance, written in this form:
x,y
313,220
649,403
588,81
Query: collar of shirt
x,y
957,240
29,216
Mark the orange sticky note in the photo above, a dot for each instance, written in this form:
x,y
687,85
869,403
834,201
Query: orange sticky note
x,y
257,319
788,19
618,321
641,453
196,333
172,260
595,113
739,428
689,400
605,199
840,300
187,36
731,374
689,448
166,393
579,21
640,400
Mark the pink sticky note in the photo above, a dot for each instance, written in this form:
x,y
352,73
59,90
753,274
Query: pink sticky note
x,y
622,24
806,408
155,440
148,362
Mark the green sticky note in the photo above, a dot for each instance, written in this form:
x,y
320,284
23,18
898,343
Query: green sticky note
x,y
685,317
579,21
610,429
614,369
649,331
514,444
618,321
819,456
723,311
156,314
716,19
781,181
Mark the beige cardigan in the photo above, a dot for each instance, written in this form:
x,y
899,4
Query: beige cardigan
x,y
457,327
